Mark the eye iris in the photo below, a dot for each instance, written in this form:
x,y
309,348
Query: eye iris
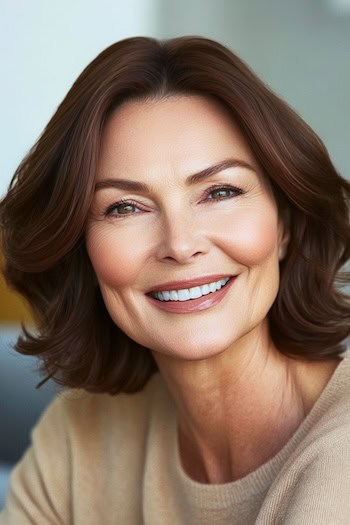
x,y
124,209
221,193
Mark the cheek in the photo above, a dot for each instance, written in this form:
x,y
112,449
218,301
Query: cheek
x,y
251,237
116,261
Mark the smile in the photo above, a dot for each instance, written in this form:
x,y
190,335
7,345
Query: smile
x,y
190,293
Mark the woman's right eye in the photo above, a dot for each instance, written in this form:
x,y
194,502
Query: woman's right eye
x,y
121,208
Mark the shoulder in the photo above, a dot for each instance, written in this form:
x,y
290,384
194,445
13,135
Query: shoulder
x,y
78,424
83,413
313,484
328,422
78,435
332,411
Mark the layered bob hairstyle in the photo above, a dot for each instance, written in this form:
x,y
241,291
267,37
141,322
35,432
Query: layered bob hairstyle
x,y
44,214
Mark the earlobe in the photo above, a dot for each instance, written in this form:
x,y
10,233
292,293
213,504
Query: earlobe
x,y
283,232
282,252
283,245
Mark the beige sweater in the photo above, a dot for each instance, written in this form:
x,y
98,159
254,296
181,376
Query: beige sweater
x,y
96,459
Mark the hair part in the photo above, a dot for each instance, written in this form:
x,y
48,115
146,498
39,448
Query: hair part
x,y
44,214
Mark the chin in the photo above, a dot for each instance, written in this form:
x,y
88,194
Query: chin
x,y
188,351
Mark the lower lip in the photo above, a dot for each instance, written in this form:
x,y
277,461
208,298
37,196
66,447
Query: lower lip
x,y
193,305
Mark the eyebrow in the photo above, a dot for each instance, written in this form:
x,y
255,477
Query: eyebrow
x,y
132,185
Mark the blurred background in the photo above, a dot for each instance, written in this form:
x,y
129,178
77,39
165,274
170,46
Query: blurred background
x,y
300,48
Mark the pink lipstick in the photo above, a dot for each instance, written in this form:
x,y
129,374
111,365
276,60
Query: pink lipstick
x,y
189,283
193,305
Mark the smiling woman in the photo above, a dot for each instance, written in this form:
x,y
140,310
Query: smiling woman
x,y
180,234
190,180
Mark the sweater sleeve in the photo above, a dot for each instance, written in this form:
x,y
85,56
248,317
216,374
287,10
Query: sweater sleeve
x,y
39,483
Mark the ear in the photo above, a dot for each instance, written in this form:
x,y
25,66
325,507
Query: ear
x,y
283,239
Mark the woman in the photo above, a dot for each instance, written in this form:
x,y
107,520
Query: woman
x,y
179,233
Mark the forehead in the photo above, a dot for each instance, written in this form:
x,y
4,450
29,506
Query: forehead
x,y
182,134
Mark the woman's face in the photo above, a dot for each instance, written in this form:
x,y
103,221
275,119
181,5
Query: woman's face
x,y
180,228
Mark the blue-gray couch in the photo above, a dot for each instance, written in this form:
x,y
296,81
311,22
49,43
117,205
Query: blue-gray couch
x,y
20,402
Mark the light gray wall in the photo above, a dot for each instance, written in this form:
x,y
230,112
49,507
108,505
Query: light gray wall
x,y
301,48
44,45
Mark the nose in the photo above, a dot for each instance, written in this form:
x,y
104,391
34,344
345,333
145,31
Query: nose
x,y
181,240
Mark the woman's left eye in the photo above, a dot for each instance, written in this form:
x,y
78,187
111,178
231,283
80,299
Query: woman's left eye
x,y
223,192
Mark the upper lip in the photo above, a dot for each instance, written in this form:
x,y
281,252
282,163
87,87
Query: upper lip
x,y
188,283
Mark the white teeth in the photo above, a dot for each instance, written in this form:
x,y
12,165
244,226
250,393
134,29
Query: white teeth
x,y
190,293
205,289
173,296
183,295
195,292
212,287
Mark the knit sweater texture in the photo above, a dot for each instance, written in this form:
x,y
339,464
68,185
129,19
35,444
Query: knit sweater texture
x,y
97,459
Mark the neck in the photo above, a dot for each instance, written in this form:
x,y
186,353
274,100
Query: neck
x,y
238,409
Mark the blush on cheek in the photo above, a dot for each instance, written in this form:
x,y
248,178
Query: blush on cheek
x,y
115,263
252,238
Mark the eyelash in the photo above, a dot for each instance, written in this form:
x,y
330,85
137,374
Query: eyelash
x,y
109,211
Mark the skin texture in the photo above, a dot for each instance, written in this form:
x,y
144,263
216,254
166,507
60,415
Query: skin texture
x,y
229,382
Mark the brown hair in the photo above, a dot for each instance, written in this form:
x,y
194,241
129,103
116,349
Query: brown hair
x,y
44,214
